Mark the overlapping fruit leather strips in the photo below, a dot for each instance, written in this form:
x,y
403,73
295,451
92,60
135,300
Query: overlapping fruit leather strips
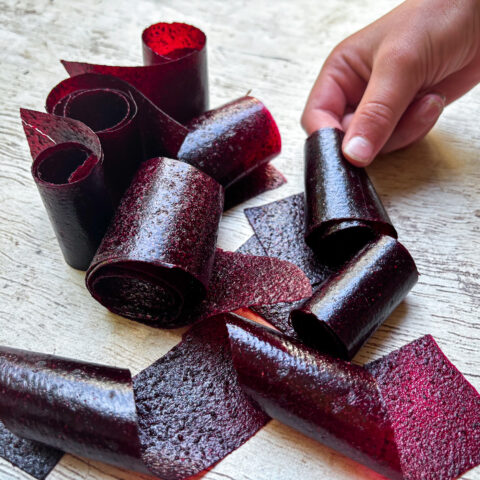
x,y
349,301
409,415
176,418
136,116
342,208
158,262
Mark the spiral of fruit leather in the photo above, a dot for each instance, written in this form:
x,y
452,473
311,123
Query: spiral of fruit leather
x,y
174,76
68,172
343,210
160,247
176,418
353,302
410,415
158,263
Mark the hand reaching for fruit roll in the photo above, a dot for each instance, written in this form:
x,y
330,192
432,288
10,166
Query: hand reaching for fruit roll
x,y
387,84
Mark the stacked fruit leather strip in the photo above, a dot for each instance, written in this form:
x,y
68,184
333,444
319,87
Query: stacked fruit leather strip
x,y
410,415
358,274
158,262
136,115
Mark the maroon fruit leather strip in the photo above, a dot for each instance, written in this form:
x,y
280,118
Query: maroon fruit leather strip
x,y
159,250
131,136
68,172
262,179
231,141
32,457
175,73
157,263
202,413
181,415
354,301
240,281
332,401
81,408
279,226
343,210
434,410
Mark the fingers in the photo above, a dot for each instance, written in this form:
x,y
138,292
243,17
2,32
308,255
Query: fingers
x,y
391,88
337,86
416,122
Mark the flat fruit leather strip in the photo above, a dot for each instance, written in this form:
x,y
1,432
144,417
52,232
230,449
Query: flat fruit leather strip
x,y
410,415
343,211
434,410
68,172
179,416
354,301
174,77
157,262
279,226
350,302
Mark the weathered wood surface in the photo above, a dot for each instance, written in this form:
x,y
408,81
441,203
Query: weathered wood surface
x,y
274,48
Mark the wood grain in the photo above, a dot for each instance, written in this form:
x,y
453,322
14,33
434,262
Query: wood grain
x,y
274,48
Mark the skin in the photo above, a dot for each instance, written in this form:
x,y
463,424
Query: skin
x,y
387,84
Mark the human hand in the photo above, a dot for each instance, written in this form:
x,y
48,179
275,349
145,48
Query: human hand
x,y
387,84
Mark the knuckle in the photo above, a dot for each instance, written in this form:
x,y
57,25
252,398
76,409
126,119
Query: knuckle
x,y
402,56
378,113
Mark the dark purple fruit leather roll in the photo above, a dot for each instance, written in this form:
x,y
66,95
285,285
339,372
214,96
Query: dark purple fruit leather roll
x,y
410,415
353,302
343,210
159,250
332,401
68,171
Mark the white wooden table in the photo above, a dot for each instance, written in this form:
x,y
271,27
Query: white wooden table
x,y
432,191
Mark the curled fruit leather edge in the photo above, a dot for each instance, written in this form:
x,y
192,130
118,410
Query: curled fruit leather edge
x,y
176,418
409,415
128,110
343,210
158,262
349,302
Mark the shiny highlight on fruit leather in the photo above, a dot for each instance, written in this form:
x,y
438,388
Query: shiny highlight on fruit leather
x,y
179,416
353,302
329,400
68,172
157,263
409,415
343,210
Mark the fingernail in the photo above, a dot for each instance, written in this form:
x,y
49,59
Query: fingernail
x,y
360,150
431,109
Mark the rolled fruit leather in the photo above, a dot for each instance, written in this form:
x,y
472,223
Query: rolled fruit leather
x,y
159,250
354,301
342,208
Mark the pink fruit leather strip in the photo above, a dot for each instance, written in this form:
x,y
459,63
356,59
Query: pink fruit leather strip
x,y
433,409
410,415
179,416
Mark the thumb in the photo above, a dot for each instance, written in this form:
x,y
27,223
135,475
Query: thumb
x,y
390,90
